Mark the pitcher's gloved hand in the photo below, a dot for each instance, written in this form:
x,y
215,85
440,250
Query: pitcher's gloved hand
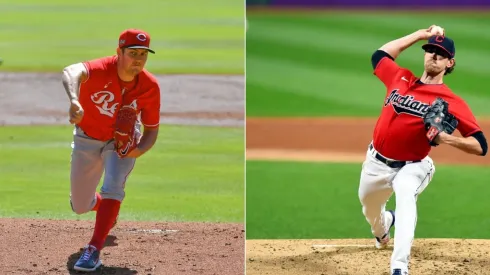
x,y
438,119
125,139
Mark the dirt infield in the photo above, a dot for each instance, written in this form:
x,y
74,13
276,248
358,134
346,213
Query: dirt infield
x,y
346,141
35,98
359,257
52,247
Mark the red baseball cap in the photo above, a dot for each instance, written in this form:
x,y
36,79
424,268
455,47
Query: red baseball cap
x,y
135,39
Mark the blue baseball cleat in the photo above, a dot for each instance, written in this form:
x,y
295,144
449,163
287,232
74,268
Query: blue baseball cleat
x,y
89,260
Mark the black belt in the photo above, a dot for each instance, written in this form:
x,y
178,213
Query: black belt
x,y
389,162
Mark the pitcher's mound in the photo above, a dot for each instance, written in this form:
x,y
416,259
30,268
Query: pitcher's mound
x,y
359,257
36,246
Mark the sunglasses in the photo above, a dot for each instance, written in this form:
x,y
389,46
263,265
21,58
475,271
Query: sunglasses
x,y
438,51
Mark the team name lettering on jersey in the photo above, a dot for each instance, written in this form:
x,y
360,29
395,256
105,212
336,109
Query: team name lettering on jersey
x,y
103,99
406,104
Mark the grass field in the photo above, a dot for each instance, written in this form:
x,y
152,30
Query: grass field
x,y
318,64
189,36
191,174
287,200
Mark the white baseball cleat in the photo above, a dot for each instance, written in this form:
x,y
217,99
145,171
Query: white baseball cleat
x,y
382,243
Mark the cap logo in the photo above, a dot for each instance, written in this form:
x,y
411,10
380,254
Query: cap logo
x,y
141,37
439,38
122,41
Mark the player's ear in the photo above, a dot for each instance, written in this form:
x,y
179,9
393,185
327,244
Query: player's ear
x,y
451,63
450,66
119,52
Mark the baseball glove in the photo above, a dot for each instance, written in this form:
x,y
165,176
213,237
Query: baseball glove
x,y
125,139
438,119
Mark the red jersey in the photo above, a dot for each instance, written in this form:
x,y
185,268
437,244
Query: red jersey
x,y
399,132
103,94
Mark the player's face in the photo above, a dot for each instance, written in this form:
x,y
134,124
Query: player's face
x,y
133,60
436,60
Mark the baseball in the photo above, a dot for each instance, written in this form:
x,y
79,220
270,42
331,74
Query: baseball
x,y
436,30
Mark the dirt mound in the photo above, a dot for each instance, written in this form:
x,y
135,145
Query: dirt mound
x,y
359,257
52,247
345,138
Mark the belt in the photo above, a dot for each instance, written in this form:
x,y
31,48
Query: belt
x,y
389,162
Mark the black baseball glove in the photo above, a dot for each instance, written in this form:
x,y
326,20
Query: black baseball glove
x,y
438,119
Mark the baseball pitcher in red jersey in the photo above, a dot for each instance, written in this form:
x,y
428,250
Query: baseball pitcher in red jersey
x,y
110,98
418,113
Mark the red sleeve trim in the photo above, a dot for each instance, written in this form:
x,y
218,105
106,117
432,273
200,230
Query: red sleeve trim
x,y
151,126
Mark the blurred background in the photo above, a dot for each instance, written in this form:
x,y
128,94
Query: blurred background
x,y
312,102
190,37
328,45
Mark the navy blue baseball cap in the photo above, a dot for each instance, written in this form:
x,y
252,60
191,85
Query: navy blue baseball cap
x,y
443,42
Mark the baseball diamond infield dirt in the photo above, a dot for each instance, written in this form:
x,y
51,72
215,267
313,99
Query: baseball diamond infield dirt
x,y
345,141
35,246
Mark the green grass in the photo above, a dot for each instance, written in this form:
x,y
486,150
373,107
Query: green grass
x,y
287,200
189,36
318,64
192,174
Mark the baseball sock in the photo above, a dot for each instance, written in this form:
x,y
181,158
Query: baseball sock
x,y
106,215
98,198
